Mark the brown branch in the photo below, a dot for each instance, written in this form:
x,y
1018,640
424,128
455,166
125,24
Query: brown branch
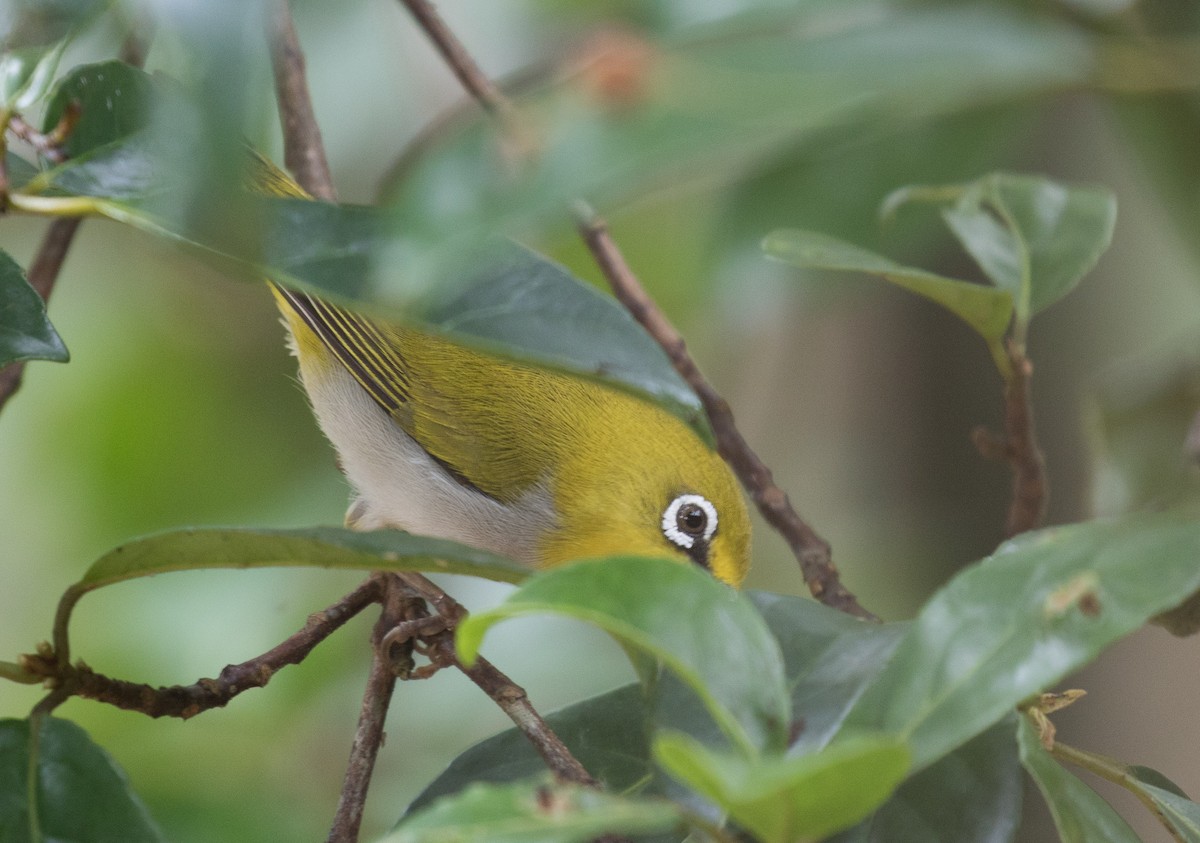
x,y
476,82
511,697
810,550
303,151
389,662
1019,448
186,701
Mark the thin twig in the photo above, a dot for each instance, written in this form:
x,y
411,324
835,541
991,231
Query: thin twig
x,y
1019,448
186,701
303,151
811,551
460,61
511,697
369,736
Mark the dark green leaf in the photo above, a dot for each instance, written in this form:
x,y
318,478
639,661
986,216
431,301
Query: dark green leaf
x,y
114,101
79,792
705,632
320,547
973,795
25,332
513,302
829,659
1080,815
985,309
606,733
528,812
1010,626
783,799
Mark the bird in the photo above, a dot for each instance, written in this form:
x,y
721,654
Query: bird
x,y
440,439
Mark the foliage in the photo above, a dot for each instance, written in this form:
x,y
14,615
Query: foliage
x,y
755,713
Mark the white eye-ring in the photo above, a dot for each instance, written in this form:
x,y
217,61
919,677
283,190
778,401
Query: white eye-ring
x,y
689,518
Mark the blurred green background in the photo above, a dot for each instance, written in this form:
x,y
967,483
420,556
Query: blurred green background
x,y
180,405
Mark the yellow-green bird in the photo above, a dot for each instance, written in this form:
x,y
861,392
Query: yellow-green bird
x,y
442,440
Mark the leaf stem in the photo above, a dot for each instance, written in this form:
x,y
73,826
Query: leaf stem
x,y
1114,771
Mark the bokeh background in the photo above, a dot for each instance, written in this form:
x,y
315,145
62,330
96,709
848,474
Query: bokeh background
x,y
180,405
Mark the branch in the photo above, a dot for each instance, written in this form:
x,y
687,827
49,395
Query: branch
x,y
186,701
511,697
810,550
388,663
303,151
460,61
1019,448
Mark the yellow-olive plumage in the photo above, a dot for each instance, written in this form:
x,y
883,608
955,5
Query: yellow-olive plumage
x,y
442,440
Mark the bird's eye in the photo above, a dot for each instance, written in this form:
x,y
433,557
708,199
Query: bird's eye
x,y
690,521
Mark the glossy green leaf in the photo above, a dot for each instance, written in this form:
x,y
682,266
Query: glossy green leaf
x,y
1012,625
114,101
705,632
25,331
513,302
985,309
784,799
318,547
1080,815
528,812
829,660
77,791
607,733
973,795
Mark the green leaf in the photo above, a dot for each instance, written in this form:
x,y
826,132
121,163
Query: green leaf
x,y
783,799
319,547
829,659
973,795
985,309
1080,815
607,733
25,332
115,101
528,812
512,302
1033,237
705,632
1012,625
77,792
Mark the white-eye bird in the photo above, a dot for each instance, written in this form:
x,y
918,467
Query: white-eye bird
x,y
441,440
